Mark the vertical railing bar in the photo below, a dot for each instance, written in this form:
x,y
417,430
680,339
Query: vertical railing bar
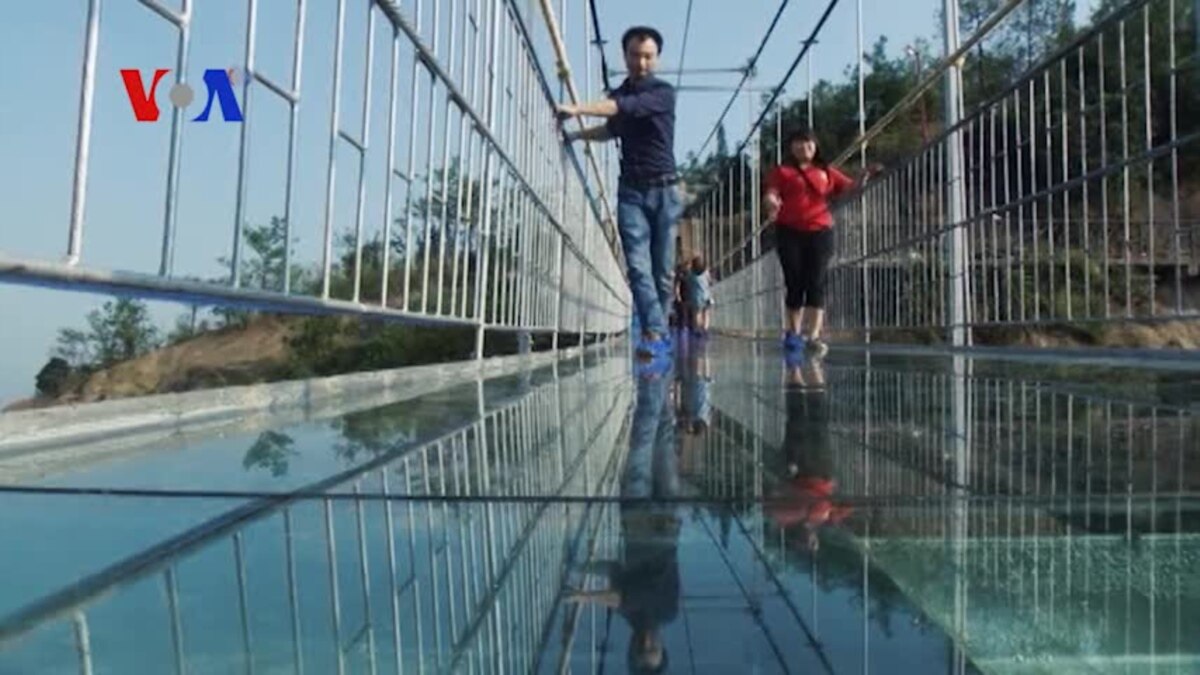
x,y
1173,115
364,571
1021,208
239,559
1127,178
1034,237
239,206
1066,202
389,524
175,152
434,590
1148,121
388,203
418,621
83,642
1048,177
445,198
334,601
293,594
468,140
293,124
414,115
172,589
1083,170
429,152
997,315
447,551
1102,102
83,135
365,136
331,167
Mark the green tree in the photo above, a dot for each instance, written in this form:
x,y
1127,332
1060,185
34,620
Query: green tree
x,y
187,326
52,379
75,347
119,331
263,267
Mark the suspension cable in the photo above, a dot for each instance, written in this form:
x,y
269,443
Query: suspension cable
x,y
599,42
746,72
687,28
777,90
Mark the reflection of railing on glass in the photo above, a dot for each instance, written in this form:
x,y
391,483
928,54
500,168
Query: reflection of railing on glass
x,y
1070,518
460,531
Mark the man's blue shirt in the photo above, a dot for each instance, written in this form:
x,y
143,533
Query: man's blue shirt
x,y
645,123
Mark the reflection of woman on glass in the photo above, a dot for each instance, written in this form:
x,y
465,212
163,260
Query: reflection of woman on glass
x,y
644,585
807,496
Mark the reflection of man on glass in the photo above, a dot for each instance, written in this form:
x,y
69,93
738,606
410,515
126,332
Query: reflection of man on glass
x,y
644,585
807,497
641,113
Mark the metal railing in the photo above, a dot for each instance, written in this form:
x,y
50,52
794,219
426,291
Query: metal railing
x,y
1070,206
487,219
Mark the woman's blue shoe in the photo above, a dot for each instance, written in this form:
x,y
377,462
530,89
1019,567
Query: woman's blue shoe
x,y
792,342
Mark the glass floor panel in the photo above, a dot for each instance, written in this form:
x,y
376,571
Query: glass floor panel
x,y
733,512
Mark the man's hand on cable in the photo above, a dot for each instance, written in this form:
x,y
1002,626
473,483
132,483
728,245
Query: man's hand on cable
x,y
567,111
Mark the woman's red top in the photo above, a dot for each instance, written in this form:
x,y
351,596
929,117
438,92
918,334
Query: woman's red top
x,y
809,501
805,203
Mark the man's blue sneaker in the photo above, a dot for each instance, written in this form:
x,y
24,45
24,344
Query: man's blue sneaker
x,y
792,342
654,348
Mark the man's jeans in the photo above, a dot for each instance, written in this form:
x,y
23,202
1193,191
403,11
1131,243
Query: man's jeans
x,y
646,219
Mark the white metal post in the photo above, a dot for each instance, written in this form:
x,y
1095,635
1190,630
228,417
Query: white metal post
x,y
862,162
955,195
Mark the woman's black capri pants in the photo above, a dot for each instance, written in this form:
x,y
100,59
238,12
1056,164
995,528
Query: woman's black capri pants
x,y
804,257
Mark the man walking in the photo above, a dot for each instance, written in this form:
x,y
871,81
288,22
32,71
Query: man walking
x,y
641,113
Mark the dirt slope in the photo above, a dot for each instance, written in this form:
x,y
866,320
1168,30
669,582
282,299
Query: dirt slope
x,y
227,357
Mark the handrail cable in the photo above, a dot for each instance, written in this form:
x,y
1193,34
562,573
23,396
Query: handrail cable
x,y
564,74
599,42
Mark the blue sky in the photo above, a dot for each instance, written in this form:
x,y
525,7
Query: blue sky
x,y
39,104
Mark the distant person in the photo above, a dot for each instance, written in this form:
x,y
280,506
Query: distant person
x,y
700,300
797,197
641,113
679,314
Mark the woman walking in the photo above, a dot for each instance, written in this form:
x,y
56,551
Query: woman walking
x,y
797,197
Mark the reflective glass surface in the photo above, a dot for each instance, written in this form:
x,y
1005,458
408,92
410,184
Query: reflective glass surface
x,y
735,511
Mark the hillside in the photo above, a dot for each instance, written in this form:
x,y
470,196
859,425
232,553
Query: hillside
x,y
271,348
230,356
